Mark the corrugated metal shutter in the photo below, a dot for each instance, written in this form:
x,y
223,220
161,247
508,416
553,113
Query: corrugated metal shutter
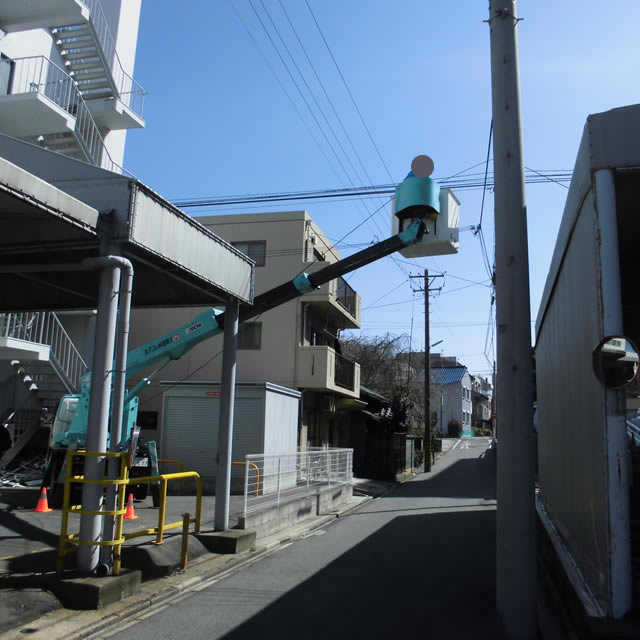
x,y
191,433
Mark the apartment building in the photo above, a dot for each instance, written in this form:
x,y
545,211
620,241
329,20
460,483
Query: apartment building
x,y
66,76
295,345
66,85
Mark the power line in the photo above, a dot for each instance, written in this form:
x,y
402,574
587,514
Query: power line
x,y
471,182
375,146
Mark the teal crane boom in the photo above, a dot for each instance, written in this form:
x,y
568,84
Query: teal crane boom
x,y
71,424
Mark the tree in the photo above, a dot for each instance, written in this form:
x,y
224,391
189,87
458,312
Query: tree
x,y
386,369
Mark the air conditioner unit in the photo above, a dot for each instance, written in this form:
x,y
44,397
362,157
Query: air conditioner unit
x,y
328,403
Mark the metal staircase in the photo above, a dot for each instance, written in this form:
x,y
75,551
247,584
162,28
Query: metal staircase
x,y
57,374
88,51
55,370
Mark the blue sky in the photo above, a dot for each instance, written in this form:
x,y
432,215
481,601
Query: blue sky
x,y
220,123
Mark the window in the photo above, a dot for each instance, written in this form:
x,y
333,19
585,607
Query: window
x,y
255,249
250,336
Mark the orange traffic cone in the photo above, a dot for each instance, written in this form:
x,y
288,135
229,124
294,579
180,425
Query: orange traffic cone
x,y
43,503
130,514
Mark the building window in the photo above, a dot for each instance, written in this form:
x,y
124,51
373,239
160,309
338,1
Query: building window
x,y
250,336
255,249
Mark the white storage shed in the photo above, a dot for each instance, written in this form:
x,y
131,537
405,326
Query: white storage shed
x,y
265,420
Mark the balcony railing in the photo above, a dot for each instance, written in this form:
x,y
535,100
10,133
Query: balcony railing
x,y
129,91
38,74
346,296
344,375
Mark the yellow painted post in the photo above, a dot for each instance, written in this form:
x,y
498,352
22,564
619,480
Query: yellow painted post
x,y
117,551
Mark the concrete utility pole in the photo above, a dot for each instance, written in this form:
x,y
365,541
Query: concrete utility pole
x,y
428,453
515,543
427,378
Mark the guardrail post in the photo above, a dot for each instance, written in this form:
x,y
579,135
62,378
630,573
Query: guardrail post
x,y
279,465
163,509
184,551
246,485
328,454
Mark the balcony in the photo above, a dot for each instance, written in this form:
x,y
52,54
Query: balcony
x,y
338,300
322,369
43,106
21,16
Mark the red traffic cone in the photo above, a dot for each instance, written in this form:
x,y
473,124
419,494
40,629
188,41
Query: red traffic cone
x,y
130,514
43,503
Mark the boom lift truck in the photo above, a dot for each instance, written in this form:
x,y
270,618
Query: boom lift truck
x,y
416,204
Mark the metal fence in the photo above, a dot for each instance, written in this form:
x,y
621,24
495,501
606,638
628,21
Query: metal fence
x,y
271,480
43,327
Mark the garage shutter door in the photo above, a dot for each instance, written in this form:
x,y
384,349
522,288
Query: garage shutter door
x,y
191,433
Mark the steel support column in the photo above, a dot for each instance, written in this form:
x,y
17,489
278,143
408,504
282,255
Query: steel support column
x,y
225,431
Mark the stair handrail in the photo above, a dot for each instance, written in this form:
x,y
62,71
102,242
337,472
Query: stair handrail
x,y
44,327
125,85
40,75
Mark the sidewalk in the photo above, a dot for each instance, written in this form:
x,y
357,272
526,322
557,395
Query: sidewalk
x,y
29,545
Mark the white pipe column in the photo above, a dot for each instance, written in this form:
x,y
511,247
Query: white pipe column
x,y
615,428
117,407
515,523
91,525
225,431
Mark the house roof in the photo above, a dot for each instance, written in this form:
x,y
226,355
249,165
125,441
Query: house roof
x,y
447,375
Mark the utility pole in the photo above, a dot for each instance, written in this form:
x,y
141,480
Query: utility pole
x,y
515,524
428,454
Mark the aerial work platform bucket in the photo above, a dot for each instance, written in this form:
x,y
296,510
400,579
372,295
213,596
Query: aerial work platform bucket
x,y
418,195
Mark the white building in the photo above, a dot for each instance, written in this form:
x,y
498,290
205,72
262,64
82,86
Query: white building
x,y
66,76
66,84
451,397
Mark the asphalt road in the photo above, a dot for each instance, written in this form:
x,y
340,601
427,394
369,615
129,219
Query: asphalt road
x,y
419,561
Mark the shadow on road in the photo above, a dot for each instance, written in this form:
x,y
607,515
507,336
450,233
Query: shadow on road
x,y
428,575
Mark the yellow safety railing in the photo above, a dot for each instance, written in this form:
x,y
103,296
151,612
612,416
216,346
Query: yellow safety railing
x,y
255,466
180,467
162,526
67,539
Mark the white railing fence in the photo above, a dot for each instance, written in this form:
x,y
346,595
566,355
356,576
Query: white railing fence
x,y
271,480
44,327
